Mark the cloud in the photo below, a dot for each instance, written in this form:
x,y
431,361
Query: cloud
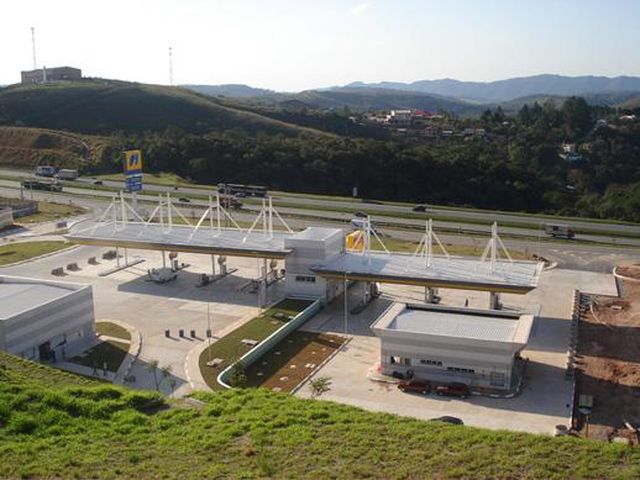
x,y
360,9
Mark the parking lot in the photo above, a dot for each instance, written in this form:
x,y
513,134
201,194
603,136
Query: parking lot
x,y
546,396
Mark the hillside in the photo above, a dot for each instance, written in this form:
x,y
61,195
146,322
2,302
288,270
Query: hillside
x,y
106,106
512,88
26,147
631,103
55,425
363,99
230,90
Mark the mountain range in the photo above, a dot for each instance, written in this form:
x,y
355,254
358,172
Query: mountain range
x,y
447,94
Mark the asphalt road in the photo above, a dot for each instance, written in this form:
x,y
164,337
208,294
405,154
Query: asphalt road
x,y
151,191
573,255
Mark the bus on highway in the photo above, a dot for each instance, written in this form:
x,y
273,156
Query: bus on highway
x,y
239,190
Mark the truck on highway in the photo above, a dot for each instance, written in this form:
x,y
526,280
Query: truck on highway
x,y
67,174
44,171
41,184
559,230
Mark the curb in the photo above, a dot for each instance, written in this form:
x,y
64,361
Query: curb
x,y
622,277
134,350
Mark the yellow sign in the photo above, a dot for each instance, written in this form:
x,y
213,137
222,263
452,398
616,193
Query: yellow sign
x,y
132,161
355,241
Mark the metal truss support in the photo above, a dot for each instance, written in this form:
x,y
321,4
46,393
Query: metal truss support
x,y
492,248
425,247
266,215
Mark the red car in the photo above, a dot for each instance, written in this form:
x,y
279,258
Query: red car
x,y
415,386
453,389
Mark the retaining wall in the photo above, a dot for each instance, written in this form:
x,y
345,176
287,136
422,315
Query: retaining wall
x,y
272,340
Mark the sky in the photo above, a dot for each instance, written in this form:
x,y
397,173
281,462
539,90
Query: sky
x,y
290,45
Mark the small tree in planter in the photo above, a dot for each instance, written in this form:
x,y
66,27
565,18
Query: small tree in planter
x,y
238,376
319,386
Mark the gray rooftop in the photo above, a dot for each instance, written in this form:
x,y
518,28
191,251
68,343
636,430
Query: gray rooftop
x,y
316,233
18,295
179,238
457,323
454,272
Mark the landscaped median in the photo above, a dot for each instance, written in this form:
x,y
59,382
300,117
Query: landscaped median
x,y
230,348
19,252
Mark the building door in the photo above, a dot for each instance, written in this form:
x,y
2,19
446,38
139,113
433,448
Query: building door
x,y
44,351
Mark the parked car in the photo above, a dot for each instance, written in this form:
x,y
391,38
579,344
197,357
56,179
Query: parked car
x,y
448,419
453,389
98,182
360,214
415,386
420,208
184,199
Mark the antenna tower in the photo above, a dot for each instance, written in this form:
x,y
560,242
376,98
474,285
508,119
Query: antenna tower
x,y
33,46
170,66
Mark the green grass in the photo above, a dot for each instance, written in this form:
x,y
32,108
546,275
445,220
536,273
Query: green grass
x,y
163,179
111,352
50,211
230,347
54,427
110,329
17,252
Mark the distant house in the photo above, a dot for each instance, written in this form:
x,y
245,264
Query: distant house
x,y
467,132
431,131
447,133
479,132
568,147
400,118
56,74
575,158
627,118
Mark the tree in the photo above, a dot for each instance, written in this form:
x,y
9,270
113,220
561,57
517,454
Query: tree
x,y
238,375
319,386
152,367
577,117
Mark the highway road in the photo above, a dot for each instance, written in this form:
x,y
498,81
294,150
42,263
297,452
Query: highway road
x,y
527,223
576,255
382,219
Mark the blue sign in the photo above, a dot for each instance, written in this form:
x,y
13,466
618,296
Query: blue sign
x,y
133,182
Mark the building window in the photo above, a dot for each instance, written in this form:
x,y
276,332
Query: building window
x,y
305,278
436,363
394,360
497,379
461,370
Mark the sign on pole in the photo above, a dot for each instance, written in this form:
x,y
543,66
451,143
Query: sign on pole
x,y
132,164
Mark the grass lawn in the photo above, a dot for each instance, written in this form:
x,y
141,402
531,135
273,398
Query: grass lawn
x,y
112,330
293,359
164,179
54,427
110,351
230,347
49,211
17,252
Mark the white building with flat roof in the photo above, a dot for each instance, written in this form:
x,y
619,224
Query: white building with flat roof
x,y
45,320
447,344
308,248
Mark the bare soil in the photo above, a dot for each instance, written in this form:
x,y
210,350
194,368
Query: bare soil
x,y
609,364
631,271
293,359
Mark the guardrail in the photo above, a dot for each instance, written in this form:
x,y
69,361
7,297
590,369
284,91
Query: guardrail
x,y
259,350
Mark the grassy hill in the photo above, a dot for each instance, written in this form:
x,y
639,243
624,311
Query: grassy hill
x,y
107,106
26,147
55,425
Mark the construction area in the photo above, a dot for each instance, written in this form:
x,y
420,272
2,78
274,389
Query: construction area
x,y
608,363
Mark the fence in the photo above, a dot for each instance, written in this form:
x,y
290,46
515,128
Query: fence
x,y
272,340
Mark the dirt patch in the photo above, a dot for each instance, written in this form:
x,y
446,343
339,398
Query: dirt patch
x,y
292,360
609,364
